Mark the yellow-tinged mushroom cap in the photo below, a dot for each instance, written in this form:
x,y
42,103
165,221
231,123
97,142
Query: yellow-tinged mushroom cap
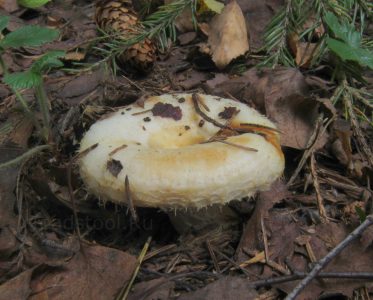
x,y
181,151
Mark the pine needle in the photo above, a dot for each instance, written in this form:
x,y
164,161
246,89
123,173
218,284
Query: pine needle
x,y
125,291
24,156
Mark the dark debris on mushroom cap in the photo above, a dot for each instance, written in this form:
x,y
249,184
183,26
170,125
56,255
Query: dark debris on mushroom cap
x,y
114,166
166,110
228,112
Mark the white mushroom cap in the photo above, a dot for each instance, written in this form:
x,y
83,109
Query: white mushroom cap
x,y
166,154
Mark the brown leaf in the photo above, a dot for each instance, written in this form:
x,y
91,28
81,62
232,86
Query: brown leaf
x,y
367,238
324,237
96,273
281,94
184,22
341,147
79,86
258,14
187,38
304,52
228,35
149,290
18,288
227,288
114,166
75,56
9,5
190,79
251,236
295,117
167,111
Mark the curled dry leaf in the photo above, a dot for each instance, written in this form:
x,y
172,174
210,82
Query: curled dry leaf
x,y
230,288
303,51
99,273
341,147
228,35
281,94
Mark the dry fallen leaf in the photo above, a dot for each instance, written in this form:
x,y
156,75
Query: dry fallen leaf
x,y
228,288
281,94
252,237
304,52
228,35
96,273
324,237
258,15
152,289
18,288
9,5
184,22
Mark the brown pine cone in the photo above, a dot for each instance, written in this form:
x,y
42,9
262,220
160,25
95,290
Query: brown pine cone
x,y
119,16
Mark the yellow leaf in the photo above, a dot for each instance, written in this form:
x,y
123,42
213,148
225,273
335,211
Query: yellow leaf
x,y
32,3
212,5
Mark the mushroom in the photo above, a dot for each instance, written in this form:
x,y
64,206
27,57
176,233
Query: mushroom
x,y
182,153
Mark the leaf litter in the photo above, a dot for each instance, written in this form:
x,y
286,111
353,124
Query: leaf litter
x,y
281,232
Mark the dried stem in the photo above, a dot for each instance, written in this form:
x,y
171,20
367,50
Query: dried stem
x,y
129,200
301,275
213,256
124,292
70,186
320,201
365,148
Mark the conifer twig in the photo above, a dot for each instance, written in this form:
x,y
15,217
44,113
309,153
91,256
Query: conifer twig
x,y
332,254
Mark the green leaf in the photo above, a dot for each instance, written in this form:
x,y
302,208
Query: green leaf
x,y
362,215
344,31
29,36
346,52
23,80
47,61
4,20
32,3
214,5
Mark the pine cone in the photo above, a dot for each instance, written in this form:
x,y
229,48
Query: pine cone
x,y
119,16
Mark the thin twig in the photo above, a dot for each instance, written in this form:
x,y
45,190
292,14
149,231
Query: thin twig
x,y
235,264
261,127
265,239
213,256
320,201
118,149
124,292
70,186
134,84
129,200
318,132
324,261
141,112
159,251
24,156
196,101
301,275
365,148
236,145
